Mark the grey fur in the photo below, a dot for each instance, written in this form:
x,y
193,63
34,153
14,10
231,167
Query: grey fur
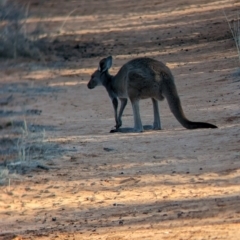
x,y
137,79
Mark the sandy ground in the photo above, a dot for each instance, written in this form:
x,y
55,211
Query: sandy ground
x,y
169,184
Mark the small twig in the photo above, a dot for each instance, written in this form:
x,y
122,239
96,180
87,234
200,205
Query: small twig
x,y
60,29
25,21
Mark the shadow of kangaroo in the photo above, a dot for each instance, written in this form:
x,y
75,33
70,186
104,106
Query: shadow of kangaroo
x,y
137,79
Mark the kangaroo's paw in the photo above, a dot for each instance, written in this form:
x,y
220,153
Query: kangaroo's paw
x,y
118,124
114,130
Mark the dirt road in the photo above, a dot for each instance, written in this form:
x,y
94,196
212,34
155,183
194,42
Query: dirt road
x,y
169,184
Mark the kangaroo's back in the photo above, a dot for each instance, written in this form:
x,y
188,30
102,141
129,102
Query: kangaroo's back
x,y
147,66
141,77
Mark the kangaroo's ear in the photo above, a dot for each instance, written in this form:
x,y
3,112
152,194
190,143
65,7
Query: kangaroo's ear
x,y
105,64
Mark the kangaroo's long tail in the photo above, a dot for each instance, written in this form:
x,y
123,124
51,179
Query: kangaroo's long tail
x,y
170,92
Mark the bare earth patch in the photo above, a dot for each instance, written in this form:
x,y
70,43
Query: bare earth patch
x,y
168,184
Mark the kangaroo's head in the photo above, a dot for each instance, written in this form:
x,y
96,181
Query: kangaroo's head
x,y
100,76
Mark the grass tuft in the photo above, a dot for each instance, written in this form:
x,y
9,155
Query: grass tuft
x,y
25,153
15,40
234,26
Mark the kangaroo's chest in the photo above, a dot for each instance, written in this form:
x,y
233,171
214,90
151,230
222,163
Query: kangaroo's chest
x,y
120,88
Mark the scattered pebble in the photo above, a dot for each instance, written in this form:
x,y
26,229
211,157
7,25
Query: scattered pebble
x,y
108,149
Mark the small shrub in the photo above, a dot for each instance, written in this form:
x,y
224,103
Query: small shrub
x,y
15,41
234,26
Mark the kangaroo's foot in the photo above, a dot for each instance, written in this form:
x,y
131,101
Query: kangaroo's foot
x,y
156,126
114,130
144,128
125,130
118,124
133,130
148,127
136,130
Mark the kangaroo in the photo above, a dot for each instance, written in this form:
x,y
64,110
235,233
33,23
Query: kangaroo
x,y
137,79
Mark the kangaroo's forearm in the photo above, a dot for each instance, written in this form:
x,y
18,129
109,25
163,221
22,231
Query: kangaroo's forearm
x,y
115,107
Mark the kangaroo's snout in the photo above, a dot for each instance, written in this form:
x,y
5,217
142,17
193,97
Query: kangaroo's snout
x,y
89,85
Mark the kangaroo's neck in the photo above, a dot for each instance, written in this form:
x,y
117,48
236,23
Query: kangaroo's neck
x,y
107,79
107,82
116,84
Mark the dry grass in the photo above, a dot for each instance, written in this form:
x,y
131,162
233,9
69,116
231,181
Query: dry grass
x,y
234,26
15,40
25,153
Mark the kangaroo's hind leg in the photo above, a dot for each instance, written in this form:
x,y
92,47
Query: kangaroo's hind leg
x,y
157,121
136,114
